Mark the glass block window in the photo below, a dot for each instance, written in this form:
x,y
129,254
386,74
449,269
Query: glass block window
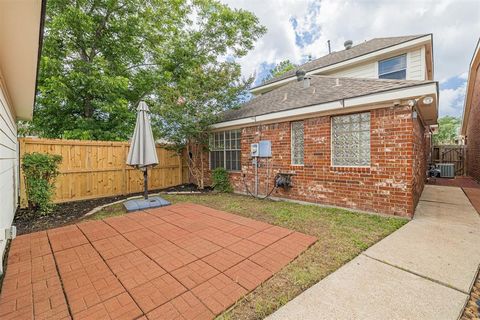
x,y
297,143
351,140
393,68
225,150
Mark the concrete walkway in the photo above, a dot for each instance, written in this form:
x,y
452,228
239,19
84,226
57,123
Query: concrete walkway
x,y
425,270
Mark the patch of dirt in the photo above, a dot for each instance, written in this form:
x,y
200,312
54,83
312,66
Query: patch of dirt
x,y
27,221
187,188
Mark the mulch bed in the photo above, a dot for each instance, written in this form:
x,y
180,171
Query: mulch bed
x,y
472,309
27,221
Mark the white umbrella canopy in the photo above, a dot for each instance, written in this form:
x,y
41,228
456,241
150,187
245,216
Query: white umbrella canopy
x,y
142,151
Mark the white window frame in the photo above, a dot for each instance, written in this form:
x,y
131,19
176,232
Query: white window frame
x,y
225,150
331,143
396,57
291,144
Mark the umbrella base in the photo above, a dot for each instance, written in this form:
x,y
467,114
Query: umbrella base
x,y
142,204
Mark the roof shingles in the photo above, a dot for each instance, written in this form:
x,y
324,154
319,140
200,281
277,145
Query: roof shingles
x,y
339,56
322,89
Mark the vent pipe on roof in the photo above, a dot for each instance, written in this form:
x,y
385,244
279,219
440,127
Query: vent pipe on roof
x,y
306,82
300,74
348,44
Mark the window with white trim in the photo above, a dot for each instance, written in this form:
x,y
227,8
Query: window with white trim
x,y
225,150
393,68
351,140
297,142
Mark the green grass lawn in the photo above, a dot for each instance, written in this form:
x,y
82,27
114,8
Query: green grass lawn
x,y
341,234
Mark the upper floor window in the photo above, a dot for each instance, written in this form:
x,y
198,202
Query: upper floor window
x,y
393,68
297,143
351,140
225,150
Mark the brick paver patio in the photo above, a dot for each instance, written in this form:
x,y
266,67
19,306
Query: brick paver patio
x,y
184,261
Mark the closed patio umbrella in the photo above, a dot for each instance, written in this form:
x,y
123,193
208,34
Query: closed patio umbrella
x,y
142,153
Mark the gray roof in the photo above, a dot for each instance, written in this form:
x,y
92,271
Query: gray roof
x,y
322,89
354,52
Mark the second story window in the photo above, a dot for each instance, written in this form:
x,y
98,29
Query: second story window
x,y
393,68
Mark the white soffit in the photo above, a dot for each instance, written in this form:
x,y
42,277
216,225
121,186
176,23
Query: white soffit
x,y
19,40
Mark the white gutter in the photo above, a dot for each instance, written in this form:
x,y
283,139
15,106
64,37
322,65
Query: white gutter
x,y
366,100
359,59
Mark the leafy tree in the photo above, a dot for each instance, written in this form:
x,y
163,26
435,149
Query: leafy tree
x,y
89,81
200,85
448,129
279,69
101,57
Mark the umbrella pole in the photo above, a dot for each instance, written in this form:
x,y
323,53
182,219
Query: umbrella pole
x,y
145,184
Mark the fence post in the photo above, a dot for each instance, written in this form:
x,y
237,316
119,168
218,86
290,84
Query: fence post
x,y
124,171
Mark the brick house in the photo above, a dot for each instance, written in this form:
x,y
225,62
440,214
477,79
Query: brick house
x,y
351,128
471,117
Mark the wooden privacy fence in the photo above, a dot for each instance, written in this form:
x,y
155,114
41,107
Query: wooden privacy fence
x,y
95,169
455,154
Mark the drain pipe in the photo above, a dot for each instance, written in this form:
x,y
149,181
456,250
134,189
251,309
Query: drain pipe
x,y
255,163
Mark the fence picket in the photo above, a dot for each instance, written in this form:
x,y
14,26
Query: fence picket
x,y
96,169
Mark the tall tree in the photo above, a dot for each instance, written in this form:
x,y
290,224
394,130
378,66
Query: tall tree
x,y
279,69
201,85
448,130
101,57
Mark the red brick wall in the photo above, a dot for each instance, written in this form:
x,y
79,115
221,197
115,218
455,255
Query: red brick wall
x,y
391,185
421,150
473,132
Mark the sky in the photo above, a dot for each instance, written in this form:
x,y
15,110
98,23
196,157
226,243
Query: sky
x,y
299,28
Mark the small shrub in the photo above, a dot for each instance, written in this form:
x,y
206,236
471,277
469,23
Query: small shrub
x,y
221,181
40,171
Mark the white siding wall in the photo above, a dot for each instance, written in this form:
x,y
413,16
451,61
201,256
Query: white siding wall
x,y
367,70
8,168
415,67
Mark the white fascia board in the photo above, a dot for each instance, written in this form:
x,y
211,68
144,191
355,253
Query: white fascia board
x,y
233,123
402,93
360,59
303,111
300,111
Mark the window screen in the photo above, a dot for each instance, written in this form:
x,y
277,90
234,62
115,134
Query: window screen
x,y
351,140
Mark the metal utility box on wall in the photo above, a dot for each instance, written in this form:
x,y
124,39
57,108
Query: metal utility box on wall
x,y
262,149
265,148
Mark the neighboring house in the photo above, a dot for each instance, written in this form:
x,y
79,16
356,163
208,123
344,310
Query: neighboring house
x,y
352,128
471,117
20,26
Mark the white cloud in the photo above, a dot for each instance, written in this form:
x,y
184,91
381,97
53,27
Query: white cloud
x,y
451,101
454,24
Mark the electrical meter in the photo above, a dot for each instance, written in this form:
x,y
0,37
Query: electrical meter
x,y
254,150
